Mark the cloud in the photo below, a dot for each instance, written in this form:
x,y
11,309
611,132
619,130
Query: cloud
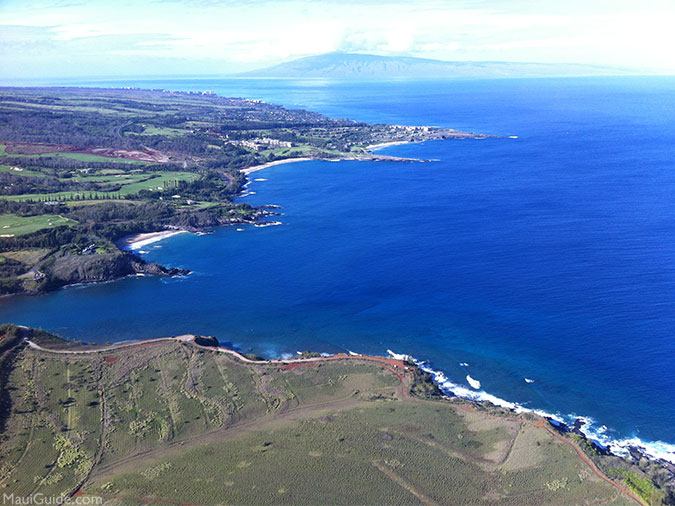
x,y
240,34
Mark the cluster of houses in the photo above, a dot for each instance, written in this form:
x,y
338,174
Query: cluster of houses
x,y
263,143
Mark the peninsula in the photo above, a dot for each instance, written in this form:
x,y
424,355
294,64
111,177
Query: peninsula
x,y
127,423
82,169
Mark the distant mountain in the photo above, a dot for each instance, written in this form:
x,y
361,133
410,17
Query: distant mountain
x,y
368,66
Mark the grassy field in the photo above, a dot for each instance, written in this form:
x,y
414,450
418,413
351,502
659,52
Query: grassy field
x,y
21,172
130,186
170,132
27,256
10,224
171,422
378,453
83,157
77,203
113,178
164,179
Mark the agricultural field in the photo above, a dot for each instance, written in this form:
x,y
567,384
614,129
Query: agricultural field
x,y
168,421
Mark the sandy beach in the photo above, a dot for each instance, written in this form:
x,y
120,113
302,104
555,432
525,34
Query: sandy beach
x,y
137,241
256,168
386,145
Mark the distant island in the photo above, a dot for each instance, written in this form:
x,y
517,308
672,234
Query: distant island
x,y
84,171
340,65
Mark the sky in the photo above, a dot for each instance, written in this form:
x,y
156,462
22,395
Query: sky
x,y
72,38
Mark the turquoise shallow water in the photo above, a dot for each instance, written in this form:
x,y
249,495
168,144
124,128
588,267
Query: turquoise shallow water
x,y
547,257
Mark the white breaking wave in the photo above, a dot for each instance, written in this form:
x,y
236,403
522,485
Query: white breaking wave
x,y
620,447
399,356
473,382
464,364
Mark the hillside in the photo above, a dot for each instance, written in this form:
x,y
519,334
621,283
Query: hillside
x,y
167,420
368,66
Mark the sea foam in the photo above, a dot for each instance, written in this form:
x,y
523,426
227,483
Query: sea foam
x,y
589,427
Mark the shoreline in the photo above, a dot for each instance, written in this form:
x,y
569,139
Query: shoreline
x,y
402,366
368,156
657,451
137,241
592,430
256,168
383,145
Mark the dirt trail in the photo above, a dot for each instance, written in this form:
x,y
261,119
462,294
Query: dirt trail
x,y
232,431
404,484
391,364
543,424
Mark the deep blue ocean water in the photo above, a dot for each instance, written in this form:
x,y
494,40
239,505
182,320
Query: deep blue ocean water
x,y
549,257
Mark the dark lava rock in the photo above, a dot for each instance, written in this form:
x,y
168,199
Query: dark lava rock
x,y
207,341
66,268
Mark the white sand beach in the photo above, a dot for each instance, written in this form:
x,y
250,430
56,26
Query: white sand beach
x,y
137,241
256,168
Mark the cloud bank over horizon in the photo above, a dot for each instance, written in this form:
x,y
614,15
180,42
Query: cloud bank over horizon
x,y
71,38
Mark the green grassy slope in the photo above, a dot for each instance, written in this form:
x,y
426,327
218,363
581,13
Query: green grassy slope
x,y
171,422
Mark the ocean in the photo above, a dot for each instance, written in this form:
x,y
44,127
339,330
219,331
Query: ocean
x,y
548,257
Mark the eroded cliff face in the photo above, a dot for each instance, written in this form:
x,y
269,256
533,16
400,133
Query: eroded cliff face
x,y
66,268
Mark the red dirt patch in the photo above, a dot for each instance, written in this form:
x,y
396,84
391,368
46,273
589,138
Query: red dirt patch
x,y
147,155
38,148
150,156
295,365
111,359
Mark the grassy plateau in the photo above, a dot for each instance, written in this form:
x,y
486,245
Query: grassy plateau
x,y
168,421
